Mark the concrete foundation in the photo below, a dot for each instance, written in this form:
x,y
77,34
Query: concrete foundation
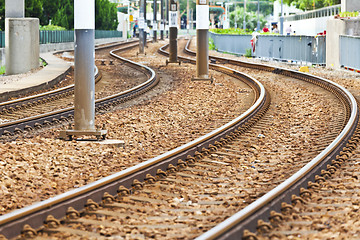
x,y
350,5
21,45
14,8
335,28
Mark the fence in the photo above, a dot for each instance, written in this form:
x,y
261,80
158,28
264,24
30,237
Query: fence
x,y
237,44
322,12
64,36
292,48
278,47
349,49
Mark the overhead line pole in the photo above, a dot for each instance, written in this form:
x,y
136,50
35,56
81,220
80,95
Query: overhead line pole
x,y
244,23
84,65
155,22
167,19
173,28
142,33
202,40
162,22
282,18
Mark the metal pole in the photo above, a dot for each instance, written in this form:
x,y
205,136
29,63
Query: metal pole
x,y
142,27
173,28
155,22
84,64
192,18
282,18
244,23
187,17
162,20
14,8
145,24
202,40
258,15
167,19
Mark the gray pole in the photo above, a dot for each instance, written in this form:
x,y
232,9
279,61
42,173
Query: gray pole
x,y
167,18
14,8
244,23
141,28
84,64
84,54
282,18
155,22
258,15
173,29
145,25
162,20
202,40
187,17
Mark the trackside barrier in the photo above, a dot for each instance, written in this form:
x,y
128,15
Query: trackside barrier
x,y
349,49
64,36
237,44
307,49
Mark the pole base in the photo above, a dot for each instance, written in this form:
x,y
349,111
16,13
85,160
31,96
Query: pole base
x,y
70,134
203,78
178,62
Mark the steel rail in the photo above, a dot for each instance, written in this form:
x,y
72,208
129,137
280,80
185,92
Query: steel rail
x,y
8,128
11,223
233,227
53,93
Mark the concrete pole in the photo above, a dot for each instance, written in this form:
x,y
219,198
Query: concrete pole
x,y
282,19
142,27
173,28
162,20
244,23
202,40
155,22
14,8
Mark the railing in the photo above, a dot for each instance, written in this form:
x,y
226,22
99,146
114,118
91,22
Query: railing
x,y
349,47
275,47
306,49
64,36
237,44
322,12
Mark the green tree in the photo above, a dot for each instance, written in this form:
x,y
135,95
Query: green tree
x,y
311,4
250,18
64,16
33,8
105,15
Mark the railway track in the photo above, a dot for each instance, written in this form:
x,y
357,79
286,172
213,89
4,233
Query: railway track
x,y
300,207
139,205
157,166
40,110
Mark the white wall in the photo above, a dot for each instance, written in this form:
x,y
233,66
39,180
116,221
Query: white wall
x,y
310,27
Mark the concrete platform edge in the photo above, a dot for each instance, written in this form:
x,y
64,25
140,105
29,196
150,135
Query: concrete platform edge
x,y
44,86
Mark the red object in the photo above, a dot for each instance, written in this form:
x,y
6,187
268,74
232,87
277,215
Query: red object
x,y
265,29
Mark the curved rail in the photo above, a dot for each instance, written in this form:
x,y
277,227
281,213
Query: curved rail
x,y
27,124
10,224
20,103
233,227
